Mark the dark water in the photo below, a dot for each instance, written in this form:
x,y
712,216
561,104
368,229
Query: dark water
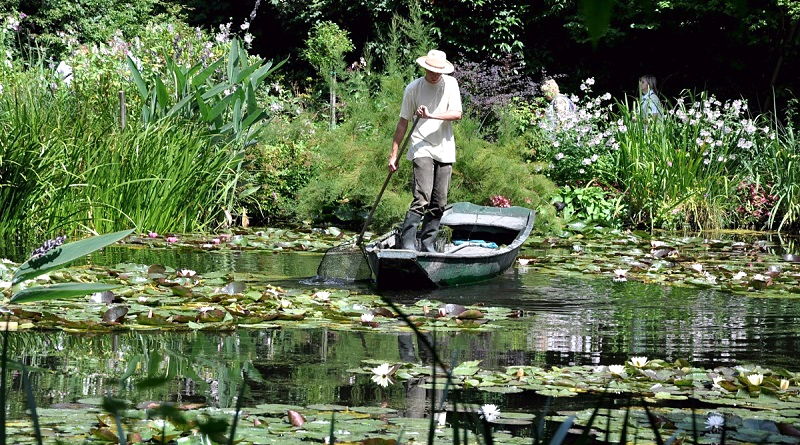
x,y
569,321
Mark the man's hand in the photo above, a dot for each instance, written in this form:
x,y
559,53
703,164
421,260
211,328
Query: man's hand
x,y
392,163
422,112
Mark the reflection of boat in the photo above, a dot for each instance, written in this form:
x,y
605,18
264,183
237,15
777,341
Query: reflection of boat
x,y
462,259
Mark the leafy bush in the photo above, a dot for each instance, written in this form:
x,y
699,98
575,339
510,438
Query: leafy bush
x,y
490,84
591,205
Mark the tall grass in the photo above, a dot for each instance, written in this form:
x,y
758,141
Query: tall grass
x,y
65,167
782,173
680,170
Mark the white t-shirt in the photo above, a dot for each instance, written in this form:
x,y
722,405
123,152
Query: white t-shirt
x,y
433,138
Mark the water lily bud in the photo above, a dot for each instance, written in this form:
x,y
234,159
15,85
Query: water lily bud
x,y
755,379
152,235
172,239
784,384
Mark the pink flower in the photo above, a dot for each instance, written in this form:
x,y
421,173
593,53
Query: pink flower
x,y
152,235
172,239
225,237
499,201
215,241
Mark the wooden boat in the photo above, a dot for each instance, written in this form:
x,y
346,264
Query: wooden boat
x,y
459,260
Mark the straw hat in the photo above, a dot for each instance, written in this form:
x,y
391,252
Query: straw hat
x,y
436,61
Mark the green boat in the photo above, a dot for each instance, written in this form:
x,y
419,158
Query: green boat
x,y
483,242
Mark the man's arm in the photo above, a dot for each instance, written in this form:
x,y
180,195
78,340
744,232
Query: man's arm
x,y
399,132
449,115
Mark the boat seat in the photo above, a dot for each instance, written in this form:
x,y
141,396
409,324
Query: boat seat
x,y
486,220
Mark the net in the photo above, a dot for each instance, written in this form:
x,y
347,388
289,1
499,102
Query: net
x,y
345,262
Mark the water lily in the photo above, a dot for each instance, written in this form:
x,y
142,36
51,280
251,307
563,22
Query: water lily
x,y
285,304
5,285
784,384
616,369
714,421
523,261
367,318
755,379
620,275
152,235
716,380
490,412
172,239
739,275
186,273
323,295
697,267
382,376
215,241
639,362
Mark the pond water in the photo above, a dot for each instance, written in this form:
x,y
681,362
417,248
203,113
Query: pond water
x,y
568,321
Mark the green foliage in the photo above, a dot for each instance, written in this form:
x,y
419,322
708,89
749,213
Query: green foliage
x,y
55,259
227,105
782,170
591,206
325,48
353,164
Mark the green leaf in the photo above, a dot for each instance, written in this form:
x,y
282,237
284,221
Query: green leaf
x,y
201,77
62,255
137,79
597,16
161,93
61,290
233,55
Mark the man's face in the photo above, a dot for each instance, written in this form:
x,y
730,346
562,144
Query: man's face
x,y
432,77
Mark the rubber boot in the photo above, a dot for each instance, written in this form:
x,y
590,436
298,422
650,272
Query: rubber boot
x,y
430,229
408,231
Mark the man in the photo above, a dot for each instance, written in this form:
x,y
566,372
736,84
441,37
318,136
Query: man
x,y
436,99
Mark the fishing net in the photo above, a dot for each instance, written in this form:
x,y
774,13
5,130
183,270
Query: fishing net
x,y
345,262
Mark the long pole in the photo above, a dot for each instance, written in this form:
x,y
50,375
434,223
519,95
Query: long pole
x,y
385,183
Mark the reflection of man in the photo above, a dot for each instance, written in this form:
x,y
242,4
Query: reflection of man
x,y
435,98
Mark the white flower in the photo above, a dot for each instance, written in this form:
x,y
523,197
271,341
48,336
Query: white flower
x,y
620,275
586,161
589,81
595,157
714,421
490,412
638,362
784,384
697,267
739,275
323,295
606,96
64,72
616,369
559,156
755,379
367,318
245,26
523,261
5,285
581,171
186,273
381,376
285,304
248,38
717,380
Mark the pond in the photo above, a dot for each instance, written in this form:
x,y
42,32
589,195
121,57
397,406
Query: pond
x,y
568,320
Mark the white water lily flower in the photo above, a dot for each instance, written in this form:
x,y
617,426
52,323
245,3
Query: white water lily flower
x,y
714,421
285,303
5,285
739,275
697,267
784,384
523,261
206,309
620,275
323,295
367,318
490,412
638,362
717,380
381,376
755,379
441,418
186,273
616,369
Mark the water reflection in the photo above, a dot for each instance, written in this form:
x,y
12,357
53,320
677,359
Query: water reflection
x,y
568,321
